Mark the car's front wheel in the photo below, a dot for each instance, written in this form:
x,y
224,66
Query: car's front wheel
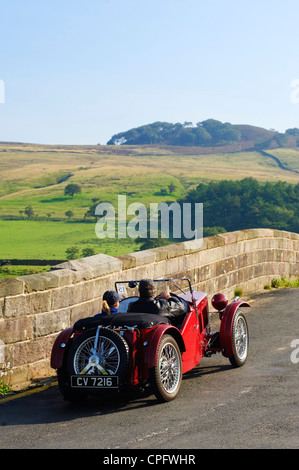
x,y
240,340
166,375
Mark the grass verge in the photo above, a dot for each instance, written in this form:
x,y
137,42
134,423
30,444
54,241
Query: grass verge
x,y
285,283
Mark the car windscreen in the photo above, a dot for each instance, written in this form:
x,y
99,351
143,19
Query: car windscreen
x,y
176,286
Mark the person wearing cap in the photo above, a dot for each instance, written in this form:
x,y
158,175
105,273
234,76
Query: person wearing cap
x,y
163,304
110,303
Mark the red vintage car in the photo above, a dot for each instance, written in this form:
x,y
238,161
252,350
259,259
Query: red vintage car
x,y
139,349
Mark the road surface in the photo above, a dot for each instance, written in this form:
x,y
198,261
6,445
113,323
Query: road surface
x,y
252,407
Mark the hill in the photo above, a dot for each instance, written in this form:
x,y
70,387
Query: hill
x,y
38,174
208,133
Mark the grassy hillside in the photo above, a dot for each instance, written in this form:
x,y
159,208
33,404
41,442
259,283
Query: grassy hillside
x,y
32,174
289,157
37,175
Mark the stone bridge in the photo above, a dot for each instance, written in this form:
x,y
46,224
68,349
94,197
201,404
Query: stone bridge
x,y
35,308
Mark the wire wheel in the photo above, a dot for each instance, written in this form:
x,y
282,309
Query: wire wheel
x,y
99,351
166,376
105,359
240,340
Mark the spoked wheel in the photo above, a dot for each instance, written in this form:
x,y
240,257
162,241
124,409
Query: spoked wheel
x,y
240,340
166,375
99,352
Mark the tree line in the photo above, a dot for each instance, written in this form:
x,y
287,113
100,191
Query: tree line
x,y
235,205
205,133
239,205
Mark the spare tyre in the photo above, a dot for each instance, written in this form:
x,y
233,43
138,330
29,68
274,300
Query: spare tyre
x,y
99,351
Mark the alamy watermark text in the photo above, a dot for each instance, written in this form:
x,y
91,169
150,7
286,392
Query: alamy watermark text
x,y
295,92
2,92
160,220
295,352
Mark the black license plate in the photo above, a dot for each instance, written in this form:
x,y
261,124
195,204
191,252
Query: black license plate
x,y
94,381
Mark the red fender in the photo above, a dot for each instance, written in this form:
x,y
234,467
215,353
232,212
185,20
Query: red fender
x,y
226,327
58,350
153,341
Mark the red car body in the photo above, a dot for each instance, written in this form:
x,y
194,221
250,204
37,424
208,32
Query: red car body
x,y
148,360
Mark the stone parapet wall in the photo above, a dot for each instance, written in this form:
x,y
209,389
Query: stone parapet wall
x,y
35,308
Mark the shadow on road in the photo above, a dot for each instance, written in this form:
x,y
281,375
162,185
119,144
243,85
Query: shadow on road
x,y
48,406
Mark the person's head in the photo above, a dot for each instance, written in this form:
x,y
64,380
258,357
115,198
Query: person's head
x,y
110,299
146,288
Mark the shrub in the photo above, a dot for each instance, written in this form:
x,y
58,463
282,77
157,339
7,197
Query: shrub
x,y
4,389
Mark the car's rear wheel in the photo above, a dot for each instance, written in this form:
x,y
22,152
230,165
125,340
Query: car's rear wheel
x,y
166,375
240,340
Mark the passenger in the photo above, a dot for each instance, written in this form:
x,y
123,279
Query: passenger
x,y
163,304
110,303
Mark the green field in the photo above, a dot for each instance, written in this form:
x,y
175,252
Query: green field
x,y
35,175
31,239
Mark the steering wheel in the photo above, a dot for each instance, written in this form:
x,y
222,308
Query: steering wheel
x,y
186,305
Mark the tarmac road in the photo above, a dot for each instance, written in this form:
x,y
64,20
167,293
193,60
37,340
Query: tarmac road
x,y
252,407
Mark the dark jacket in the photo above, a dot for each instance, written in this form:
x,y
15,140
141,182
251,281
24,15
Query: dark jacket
x,y
171,308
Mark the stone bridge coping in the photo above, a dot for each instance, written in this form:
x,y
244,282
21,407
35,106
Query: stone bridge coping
x,y
84,269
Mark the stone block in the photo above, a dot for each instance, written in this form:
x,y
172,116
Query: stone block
x,y
40,370
51,322
49,342
193,246
15,306
22,305
107,263
30,351
11,286
19,378
225,266
105,269
85,274
72,295
62,297
1,308
40,282
252,233
230,237
140,258
17,329
175,250
86,309
38,302
160,253
65,276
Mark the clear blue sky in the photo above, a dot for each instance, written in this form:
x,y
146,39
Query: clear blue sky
x,y
79,72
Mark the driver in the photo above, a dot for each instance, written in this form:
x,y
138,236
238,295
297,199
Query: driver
x,y
163,304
